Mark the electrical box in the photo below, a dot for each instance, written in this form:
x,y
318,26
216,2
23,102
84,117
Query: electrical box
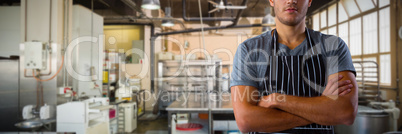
x,y
33,54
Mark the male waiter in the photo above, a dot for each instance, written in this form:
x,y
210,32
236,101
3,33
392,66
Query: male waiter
x,y
293,79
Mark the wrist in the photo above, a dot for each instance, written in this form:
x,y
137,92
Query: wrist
x,y
278,100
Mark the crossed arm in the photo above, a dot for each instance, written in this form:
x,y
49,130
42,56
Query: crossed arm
x,y
338,105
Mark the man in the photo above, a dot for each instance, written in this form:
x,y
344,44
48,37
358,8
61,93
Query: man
x,y
293,79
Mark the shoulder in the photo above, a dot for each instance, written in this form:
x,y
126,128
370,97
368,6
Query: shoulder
x,y
327,42
256,42
321,37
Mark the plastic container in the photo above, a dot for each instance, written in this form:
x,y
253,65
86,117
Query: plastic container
x,y
234,132
112,113
203,116
105,76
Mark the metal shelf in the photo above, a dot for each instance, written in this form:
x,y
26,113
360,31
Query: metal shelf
x,y
369,84
193,76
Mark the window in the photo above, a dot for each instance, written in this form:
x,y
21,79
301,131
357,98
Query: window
x,y
365,5
324,31
385,67
370,34
367,34
332,15
355,37
358,68
351,7
344,32
385,50
385,30
316,21
383,3
332,31
371,76
323,16
342,15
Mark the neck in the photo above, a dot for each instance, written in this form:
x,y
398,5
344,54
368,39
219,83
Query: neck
x,y
291,36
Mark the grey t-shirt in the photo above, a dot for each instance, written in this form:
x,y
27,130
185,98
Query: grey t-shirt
x,y
251,59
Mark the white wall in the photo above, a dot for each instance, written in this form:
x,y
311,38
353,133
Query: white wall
x,y
41,18
81,57
10,30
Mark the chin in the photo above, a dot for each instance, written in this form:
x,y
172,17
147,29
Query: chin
x,y
289,21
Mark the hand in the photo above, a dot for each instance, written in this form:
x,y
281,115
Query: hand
x,y
271,100
336,87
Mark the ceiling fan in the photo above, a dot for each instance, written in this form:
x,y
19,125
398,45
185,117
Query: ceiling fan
x,y
222,6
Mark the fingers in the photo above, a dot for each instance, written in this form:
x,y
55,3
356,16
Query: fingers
x,y
337,85
345,92
271,100
264,101
340,84
343,89
334,80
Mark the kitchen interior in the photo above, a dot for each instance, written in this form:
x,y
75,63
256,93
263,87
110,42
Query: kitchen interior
x,y
163,66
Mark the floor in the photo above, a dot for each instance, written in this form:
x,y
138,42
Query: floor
x,y
157,126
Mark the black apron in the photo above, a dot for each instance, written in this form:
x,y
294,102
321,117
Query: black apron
x,y
301,75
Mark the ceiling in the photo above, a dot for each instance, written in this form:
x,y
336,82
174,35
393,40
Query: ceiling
x,y
255,8
113,8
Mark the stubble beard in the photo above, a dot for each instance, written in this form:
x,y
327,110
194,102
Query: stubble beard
x,y
289,22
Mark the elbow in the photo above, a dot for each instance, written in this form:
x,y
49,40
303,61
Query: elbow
x,y
242,120
349,120
243,125
348,116
247,125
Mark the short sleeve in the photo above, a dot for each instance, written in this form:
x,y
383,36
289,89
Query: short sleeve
x,y
243,72
338,56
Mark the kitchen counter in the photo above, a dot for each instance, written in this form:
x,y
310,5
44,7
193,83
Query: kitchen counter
x,y
198,102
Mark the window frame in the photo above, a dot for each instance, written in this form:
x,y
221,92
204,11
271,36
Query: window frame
x,y
360,15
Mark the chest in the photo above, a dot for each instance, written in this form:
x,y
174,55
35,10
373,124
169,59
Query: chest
x,y
303,75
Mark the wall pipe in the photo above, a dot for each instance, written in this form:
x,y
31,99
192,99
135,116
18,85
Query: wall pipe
x,y
153,38
398,102
208,28
134,19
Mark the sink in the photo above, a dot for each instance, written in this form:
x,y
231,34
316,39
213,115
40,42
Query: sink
x,y
32,125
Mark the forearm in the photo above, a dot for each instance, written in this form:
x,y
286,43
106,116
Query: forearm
x,y
259,119
321,110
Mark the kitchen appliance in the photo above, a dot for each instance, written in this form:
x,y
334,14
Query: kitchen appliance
x,y
126,89
368,121
44,112
90,116
86,56
30,125
374,115
9,93
182,118
127,117
124,93
392,110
